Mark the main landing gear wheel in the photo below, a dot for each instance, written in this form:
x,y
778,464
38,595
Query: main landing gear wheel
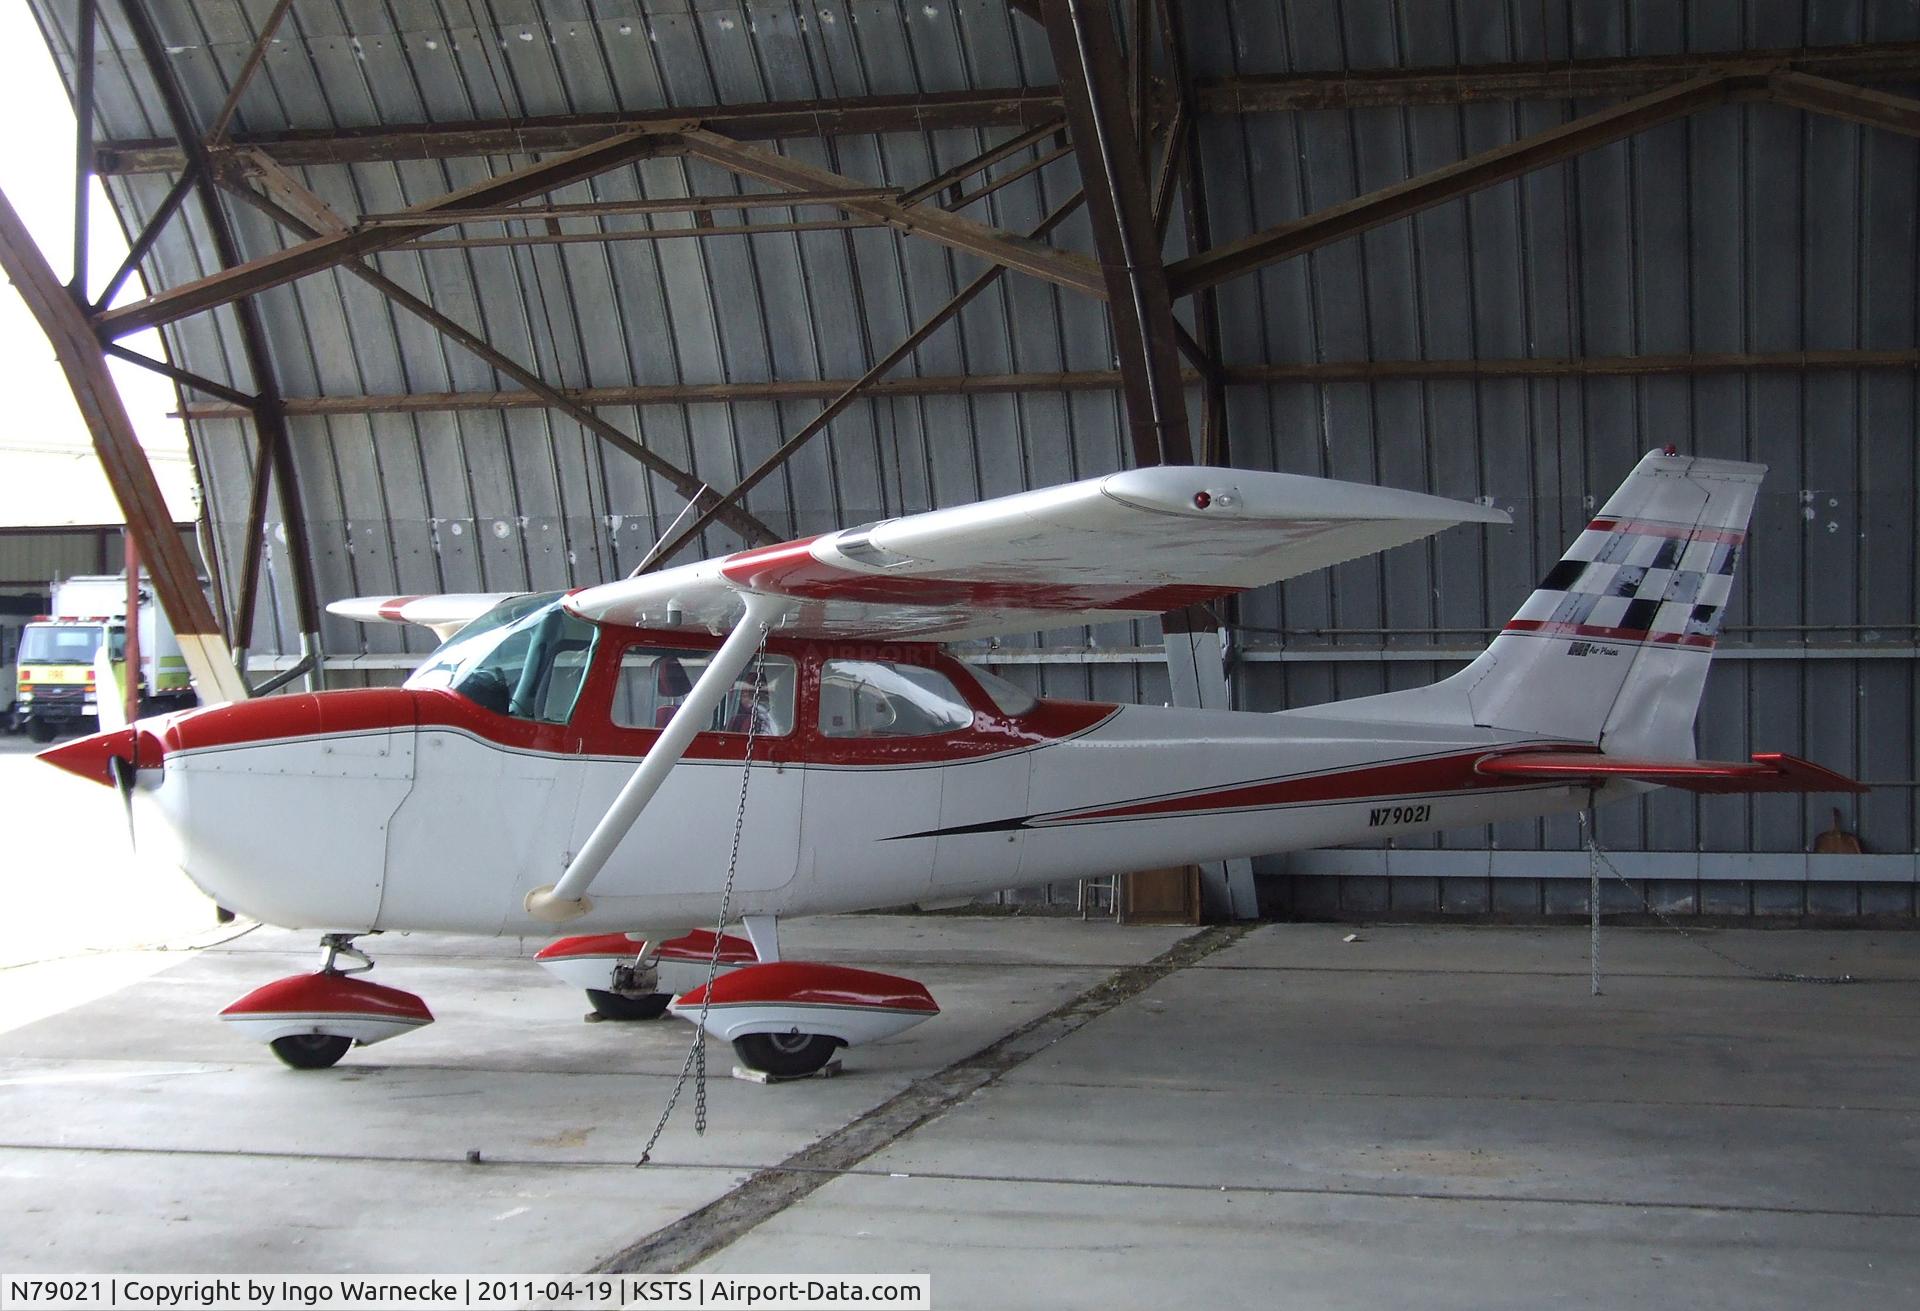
x,y
785,1055
311,1051
627,1006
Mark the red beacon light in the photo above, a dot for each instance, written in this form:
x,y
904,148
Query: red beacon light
x,y
1671,449
1201,500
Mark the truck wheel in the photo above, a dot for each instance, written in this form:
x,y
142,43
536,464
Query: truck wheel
x,y
39,730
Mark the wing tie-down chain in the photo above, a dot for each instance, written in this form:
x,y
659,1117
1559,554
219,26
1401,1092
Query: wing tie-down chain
x,y
696,1061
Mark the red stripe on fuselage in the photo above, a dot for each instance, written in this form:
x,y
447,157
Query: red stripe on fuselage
x,y
1451,773
790,569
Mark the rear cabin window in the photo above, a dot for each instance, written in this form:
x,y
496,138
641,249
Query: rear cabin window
x,y
654,681
877,698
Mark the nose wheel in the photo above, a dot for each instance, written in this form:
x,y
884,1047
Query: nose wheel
x,y
312,1020
626,1006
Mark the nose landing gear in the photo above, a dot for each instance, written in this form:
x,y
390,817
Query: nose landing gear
x,y
311,1020
628,978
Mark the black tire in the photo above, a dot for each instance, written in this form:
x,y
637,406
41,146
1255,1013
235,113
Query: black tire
x,y
39,730
620,1006
785,1055
311,1051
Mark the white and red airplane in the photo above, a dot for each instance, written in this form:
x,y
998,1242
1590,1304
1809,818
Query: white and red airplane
x,y
578,759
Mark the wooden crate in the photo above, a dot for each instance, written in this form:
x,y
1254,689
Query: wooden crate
x,y
1161,896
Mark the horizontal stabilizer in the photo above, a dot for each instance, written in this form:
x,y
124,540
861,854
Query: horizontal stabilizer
x,y
1769,771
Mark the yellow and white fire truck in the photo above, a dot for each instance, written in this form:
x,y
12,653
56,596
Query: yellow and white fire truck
x,y
59,652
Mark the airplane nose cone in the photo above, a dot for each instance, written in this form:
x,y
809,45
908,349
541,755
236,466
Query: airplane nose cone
x,y
90,757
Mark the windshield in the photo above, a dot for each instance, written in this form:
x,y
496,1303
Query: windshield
x,y
527,657
59,644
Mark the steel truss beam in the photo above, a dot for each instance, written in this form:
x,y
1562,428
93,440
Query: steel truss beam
x,y
602,237
486,201
980,163
1086,57
276,455
1575,79
1477,172
314,216
1183,156
1061,267
185,377
334,248
1821,95
223,120
1021,107
1474,173
1028,107
1241,375
83,144
615,208
853,391
175,578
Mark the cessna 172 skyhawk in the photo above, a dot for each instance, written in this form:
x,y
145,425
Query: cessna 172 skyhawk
x,y
497,792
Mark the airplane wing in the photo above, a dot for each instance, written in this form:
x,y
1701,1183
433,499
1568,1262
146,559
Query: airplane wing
x,y
446,614
1120,547
1769,771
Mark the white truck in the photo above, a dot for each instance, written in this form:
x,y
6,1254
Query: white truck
x,y
56,668
9,639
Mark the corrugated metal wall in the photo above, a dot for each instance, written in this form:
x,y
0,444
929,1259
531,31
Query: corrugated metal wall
x,y
1746,228
31,560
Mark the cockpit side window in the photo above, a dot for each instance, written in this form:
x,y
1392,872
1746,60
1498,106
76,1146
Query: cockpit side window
x,y
655,680
527,658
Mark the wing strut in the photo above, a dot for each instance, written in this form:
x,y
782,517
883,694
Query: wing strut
x,y
567,899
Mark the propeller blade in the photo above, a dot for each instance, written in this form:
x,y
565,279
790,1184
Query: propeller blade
x,y
123,778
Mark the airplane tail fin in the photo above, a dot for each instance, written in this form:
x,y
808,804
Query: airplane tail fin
x,y
1613,646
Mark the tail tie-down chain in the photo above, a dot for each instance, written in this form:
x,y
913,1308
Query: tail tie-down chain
x,y
1597,860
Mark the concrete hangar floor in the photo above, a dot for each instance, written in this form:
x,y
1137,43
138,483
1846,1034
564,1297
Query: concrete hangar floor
x,y
1101,1117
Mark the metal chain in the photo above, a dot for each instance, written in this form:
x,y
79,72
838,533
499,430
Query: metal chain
x,y
1593,897
696,1061
1599,858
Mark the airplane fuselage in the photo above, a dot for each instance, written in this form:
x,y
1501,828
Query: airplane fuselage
x,y
420,809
